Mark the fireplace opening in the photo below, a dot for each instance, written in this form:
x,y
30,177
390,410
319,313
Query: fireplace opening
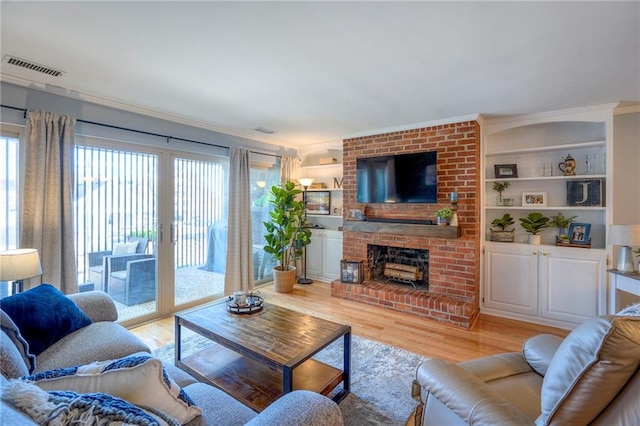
x,y
399,265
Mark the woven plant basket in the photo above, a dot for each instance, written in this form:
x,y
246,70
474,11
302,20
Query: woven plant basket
x,y
503,236
284,280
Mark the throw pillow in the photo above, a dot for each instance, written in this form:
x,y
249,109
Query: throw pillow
x,y
44,315
631,310
125,248
10,329
72,408
139,379
593,363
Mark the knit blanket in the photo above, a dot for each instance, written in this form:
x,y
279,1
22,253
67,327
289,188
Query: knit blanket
x,y
59,408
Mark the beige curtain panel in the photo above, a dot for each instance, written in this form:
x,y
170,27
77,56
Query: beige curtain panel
x,y
239,267
48,198
289,169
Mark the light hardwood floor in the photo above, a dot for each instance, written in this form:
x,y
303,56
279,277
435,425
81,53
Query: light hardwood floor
x,y
489,336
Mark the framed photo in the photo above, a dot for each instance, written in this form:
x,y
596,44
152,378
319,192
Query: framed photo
x,y
318,202
351,271
505,170
534,199
588,192
579,233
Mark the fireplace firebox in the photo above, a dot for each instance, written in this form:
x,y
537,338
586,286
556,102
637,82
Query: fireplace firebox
x,y
399,265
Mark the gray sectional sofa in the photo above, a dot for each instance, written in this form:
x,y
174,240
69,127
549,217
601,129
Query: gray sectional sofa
x,y
104,339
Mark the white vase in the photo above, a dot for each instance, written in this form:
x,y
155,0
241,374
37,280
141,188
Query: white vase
x,y
534,239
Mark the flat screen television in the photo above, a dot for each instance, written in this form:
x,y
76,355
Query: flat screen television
x,y
403,178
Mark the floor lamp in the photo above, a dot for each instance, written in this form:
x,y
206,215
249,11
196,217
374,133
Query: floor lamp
x,y
305,182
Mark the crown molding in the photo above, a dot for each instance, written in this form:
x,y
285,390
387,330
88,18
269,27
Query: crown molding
x,y
60,91
452,120
629,109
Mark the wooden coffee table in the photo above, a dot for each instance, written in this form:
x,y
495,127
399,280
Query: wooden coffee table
x,y
263,355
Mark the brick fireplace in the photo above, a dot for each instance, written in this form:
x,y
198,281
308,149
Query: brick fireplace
x,y
453,255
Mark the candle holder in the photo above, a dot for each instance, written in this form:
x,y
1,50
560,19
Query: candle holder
x,y
454,206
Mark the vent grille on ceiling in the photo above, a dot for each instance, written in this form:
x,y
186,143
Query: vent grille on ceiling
x,y
32,66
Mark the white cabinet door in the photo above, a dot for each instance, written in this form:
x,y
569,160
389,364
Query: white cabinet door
x,y
332,255
511,278
572,283
314,254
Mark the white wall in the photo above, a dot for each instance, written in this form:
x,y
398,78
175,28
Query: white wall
x,y
626,152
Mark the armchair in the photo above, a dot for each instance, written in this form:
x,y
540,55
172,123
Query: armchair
x,y
136,283
98,269
590,377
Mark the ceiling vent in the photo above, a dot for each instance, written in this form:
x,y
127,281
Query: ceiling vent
x,y
263,130
12,60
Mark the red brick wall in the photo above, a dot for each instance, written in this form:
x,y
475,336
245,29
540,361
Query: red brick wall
x,y
454,264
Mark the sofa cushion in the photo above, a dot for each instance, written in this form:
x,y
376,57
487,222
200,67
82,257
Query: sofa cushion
x,y
592,364
44,315
538,351
100,341
141,380
65,407
11,363
13,335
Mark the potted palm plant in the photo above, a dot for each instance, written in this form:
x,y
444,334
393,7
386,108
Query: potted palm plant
x,y
562,223
286,235
534,223
503,235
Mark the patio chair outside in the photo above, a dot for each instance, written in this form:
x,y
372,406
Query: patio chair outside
x,y
135,284
99,266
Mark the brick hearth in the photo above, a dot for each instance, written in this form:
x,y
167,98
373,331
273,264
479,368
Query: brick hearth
x,y
454,263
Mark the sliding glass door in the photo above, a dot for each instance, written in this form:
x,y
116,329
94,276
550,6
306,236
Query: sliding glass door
x,y
115,216
199,229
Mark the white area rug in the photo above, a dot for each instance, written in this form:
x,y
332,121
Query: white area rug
x,y
381,378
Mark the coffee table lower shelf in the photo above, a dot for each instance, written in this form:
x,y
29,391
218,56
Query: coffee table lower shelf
x,y
255,384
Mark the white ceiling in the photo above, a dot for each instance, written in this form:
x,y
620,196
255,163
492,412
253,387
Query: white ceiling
x,y
320,71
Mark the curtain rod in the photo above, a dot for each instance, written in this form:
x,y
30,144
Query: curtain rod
x,y
167,137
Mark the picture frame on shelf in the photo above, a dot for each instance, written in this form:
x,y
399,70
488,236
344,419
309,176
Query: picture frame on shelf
x,y
318,202
579,233
351,271
505,171
534,199
585,192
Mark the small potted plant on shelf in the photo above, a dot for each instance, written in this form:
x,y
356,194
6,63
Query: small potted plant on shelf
x,y
636,251
534,223
500,187
443,215
562,223
503,235
286,235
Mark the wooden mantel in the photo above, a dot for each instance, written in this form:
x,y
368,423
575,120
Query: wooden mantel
x,y
433,231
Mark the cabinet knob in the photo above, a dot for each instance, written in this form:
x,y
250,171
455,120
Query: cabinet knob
x,y
535,253
545,254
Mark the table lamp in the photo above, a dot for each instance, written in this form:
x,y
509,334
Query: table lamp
x,y
624,236
306,183
18,265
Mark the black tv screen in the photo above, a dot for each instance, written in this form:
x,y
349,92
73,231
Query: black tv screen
x,y
404,178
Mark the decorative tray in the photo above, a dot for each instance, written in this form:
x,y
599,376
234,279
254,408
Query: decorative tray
x,y
254,303
565,243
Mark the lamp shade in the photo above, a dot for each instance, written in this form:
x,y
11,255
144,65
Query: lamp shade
x,y
306,182
19,264
624,235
